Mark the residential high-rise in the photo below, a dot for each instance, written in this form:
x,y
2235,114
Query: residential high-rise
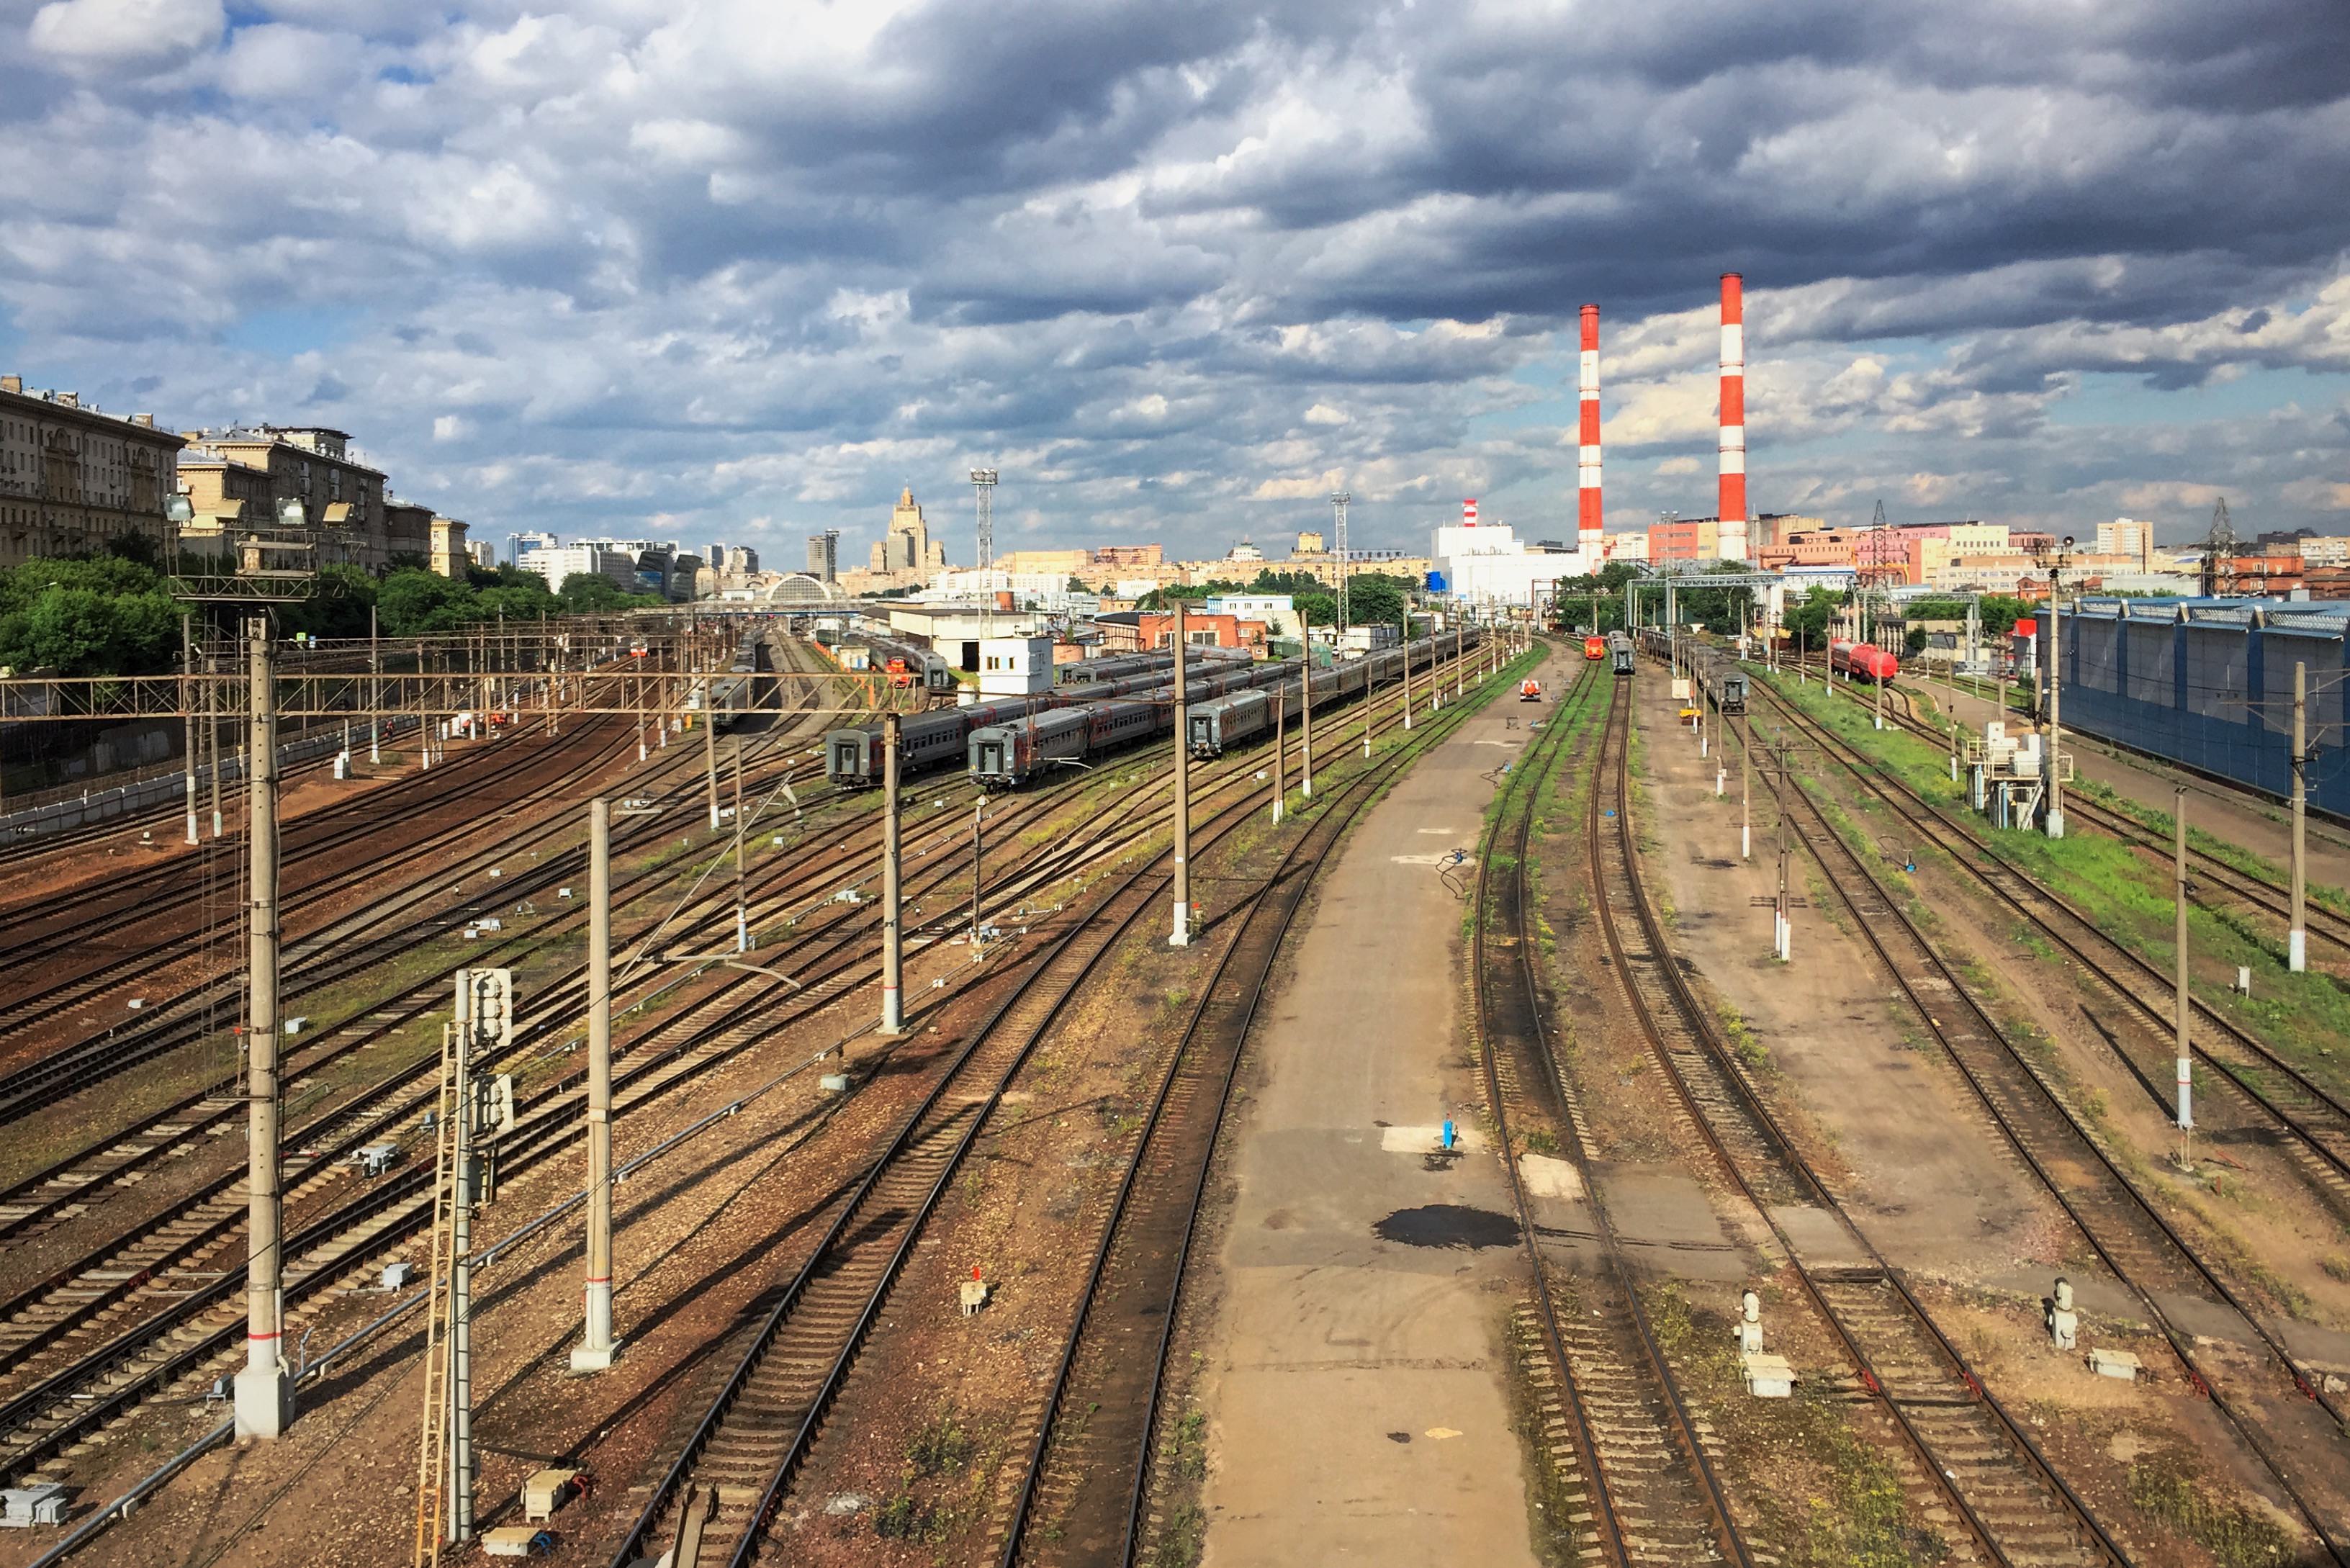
x,y
823,556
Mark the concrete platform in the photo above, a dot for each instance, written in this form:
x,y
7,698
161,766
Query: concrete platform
x,y
1357,1389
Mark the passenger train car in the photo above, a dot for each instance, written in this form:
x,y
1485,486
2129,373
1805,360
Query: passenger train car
x,y
1619,653
852,757
744,688
1223,722
1720,677
1006,755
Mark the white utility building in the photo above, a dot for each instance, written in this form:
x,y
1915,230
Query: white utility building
x,y
1489,564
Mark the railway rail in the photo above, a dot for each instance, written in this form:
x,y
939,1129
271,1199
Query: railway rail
x,y
746,1452
2274,1093
89,1387
1639,1465
2141,1248
1962,1441
2249,888
1084,1491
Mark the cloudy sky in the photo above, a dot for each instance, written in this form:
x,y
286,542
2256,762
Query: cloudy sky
x,y
740,268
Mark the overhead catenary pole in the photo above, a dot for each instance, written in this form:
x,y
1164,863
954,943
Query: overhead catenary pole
x,y
978,817
1406,666
742,904
892,1018
710,745
1181,935
2297,932
2054,814
1305,722
1746,791
188,704
2178,942
595,1350
265,1390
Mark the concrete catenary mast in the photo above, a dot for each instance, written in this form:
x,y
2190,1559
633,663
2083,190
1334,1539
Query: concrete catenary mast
x,y
1730,513
1587,519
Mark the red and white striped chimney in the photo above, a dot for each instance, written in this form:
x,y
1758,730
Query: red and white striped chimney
x,y
1468,513
1587,521
1731,512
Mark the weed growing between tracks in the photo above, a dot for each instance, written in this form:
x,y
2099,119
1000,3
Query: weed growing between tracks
x,y
1819,1489
2169,1488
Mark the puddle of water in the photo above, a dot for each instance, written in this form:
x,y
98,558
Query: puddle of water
x,y
1448,1225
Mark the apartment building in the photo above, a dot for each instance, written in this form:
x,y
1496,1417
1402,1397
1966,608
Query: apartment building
x,y
74,479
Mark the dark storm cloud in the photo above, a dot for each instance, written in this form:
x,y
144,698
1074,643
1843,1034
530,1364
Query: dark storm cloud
x,y
749,261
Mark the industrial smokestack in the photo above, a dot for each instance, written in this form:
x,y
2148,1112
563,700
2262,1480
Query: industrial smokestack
x,y
1731,513
1468,513
1588,523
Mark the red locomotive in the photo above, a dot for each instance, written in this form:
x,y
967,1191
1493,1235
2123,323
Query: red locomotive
x,y
1863,661
1594,648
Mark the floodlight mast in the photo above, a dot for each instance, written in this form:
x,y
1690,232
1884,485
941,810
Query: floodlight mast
x,y
1338,500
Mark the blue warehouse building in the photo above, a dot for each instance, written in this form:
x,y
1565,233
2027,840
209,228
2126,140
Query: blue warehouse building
x,y
2209,683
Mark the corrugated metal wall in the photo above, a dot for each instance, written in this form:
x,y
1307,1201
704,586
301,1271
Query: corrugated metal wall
x,y
2213,692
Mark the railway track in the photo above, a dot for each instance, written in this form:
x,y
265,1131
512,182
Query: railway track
x,y
1635,1459
737,1469
1966,1452
1083,1494
78,1390
2071,1159
68,1184
2245,888
2278,1101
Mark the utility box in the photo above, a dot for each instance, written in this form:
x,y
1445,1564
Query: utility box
x,y
22,1507
1015,665
517,1540
378,1157
1768,1377
396,1276
547,1491
2122,1363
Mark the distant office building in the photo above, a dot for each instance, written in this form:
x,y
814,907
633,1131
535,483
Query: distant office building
x,y
823,556
558,561
483,553
2127,536
1129,556
1309,542
1245,551
522,545
739,561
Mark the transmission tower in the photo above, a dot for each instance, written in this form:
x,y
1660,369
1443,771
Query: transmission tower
x,y
2220,547
1338,499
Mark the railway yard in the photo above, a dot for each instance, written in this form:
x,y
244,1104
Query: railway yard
x,y
1613,1105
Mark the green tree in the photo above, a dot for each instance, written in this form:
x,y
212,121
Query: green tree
x,y
1807,619
1317,608
102,615
1375,597
1914,640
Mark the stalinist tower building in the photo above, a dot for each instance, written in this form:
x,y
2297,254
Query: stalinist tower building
x,y
907,547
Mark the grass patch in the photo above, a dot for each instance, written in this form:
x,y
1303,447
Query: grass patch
x,y
2165,1487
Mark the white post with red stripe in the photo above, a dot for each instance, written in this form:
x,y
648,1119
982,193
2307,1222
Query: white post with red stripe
x,y
1588,527
1468,513
1730,513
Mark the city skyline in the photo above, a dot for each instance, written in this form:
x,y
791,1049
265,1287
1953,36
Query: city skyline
x,y
1997,265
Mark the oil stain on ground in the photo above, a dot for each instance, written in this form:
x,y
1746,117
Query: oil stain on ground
x,y
1448,1225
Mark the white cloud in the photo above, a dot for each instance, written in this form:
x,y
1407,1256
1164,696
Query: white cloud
x,y
148,35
